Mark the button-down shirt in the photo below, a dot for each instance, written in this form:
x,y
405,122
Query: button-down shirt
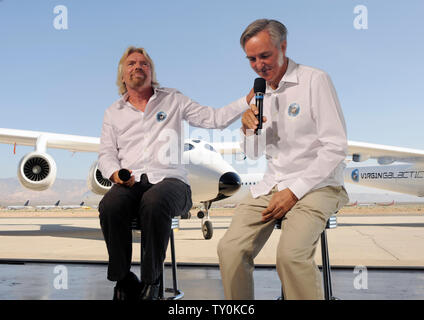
x,y
151,141
304,139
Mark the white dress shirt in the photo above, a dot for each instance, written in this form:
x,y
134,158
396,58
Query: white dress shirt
x,y
152,141
304,139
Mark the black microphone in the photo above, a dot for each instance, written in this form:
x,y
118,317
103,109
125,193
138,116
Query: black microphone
x,y
124,175
259,88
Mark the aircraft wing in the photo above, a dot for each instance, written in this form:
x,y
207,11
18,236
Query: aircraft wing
x,y
360,151
227,147
72,143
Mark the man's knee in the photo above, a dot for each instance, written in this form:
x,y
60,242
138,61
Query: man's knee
x,y
155,210
290,254
221,248
158,202
154,203
112,205
229,251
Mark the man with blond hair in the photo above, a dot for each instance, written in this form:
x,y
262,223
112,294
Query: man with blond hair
x,y
304,140
132,138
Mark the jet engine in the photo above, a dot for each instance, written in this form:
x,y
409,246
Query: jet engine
x,y
96,182
37,171
385,160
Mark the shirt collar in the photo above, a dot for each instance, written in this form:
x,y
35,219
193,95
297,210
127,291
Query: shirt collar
x,y
291,72
123,101
289,76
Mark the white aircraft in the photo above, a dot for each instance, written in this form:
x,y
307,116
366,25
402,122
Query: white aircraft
x,y
247,180
75,206
385,204
211,177
407,178
352,204
25,206
48,207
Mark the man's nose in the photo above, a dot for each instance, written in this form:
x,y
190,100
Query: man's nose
x,y
138,67
259,64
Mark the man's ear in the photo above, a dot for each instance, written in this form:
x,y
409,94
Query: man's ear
x,y
284,47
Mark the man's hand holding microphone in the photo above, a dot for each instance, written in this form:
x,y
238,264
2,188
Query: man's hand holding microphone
x,y
123,177
253,118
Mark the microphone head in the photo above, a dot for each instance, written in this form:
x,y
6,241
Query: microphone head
x,y
259,85
124,175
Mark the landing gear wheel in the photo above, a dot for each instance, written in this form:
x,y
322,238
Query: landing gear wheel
x,y
207,230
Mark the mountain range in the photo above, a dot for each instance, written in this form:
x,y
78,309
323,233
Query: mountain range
x,y
68,191
73,191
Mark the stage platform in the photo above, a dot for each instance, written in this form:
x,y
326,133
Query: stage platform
x,y
76,281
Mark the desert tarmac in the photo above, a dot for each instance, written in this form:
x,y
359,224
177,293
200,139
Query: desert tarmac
x,y
388,245
379,239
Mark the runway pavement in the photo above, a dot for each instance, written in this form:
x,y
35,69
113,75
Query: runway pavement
x,y
373,241
34,253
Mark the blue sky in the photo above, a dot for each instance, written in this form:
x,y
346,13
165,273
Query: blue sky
x,y
63,80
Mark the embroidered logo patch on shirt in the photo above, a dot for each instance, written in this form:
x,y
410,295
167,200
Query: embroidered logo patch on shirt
x,y
294,109
160,116
355,175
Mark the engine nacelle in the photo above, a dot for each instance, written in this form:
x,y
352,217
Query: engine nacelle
x,y
96,182
385,160
37,171
360,157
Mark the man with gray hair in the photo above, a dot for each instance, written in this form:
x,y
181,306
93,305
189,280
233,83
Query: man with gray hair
x,y
305,144
158,189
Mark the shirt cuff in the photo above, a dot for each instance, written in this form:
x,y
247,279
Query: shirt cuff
x,y
108,173
248,141
299,188
250,134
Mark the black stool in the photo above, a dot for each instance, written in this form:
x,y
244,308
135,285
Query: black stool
x,y
326,268
177,294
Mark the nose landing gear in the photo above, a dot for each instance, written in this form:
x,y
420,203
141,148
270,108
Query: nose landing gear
x,y
207,228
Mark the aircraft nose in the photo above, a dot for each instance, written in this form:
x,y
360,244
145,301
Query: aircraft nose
x,y
229,183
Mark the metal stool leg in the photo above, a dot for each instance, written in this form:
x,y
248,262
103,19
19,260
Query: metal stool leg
x,y
174,264
326,270
177,294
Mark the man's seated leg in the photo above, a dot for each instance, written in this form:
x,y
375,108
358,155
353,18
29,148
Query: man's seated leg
x,y
115,210
300,231
241,243
158,206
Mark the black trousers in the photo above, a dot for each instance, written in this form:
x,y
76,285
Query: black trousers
x,y
156,205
